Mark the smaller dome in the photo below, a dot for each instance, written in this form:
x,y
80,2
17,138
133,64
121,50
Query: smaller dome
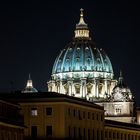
x,y
29,87
121,92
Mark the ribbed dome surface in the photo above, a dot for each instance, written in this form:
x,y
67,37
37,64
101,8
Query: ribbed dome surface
x,y
82,55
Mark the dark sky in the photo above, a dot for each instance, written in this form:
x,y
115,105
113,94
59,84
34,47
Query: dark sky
x,y
32,33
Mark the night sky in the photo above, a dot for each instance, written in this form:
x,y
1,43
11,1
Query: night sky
x,y
32,33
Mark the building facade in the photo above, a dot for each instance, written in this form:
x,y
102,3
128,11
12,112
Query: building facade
x,y
54,116
11,122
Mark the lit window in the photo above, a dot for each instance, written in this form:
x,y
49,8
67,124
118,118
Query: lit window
x,y
34,111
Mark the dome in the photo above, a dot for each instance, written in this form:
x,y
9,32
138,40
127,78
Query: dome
x,y
82,55
121,92
29,87
82,69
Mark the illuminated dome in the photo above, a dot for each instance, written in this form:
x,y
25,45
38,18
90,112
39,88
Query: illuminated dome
x,y
29,87
121,92
82,69
82,55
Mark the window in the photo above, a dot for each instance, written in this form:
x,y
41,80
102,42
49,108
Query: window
x,y
128,136
101,117
93,134
113,134
117,135
102,135
79,115
34,132
84,115
48,111
97,116
118,111
97,134
88,115
69,131
34,111
109,134
79,132
15,136
92,116
49,131
105,134
84,133
125,136
77,87
121,135
69,111
74,132
88,134
74,112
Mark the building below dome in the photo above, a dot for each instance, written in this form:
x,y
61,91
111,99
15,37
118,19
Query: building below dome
x,y
29,86
82,70
119,106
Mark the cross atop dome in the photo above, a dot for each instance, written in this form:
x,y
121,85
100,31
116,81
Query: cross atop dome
x,y
82,22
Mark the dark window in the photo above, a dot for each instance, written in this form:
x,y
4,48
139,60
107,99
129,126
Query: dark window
x,y
101,117
69,131
97,116
49,131
74,113
74,132
93,134
48,111
92,116
84,133
121,135
128,136
135,137
79,132
84,115
105,134
117,135
79,115
88,134
88,115
102,135
109,134
125,136
113,134
132,137
98,134
69,111
34,132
